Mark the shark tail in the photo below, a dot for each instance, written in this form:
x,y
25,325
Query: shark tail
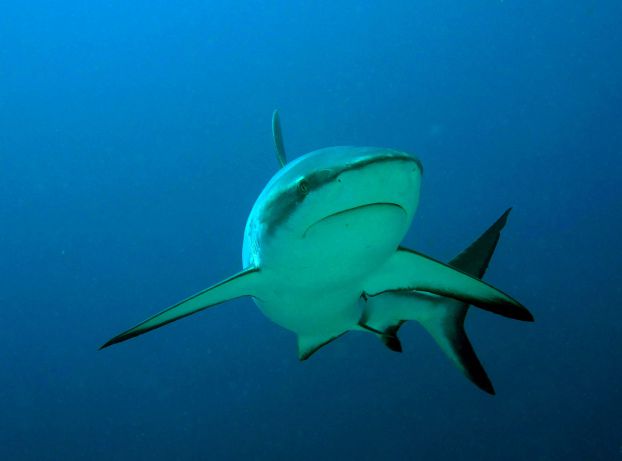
x,y
447,329
442,317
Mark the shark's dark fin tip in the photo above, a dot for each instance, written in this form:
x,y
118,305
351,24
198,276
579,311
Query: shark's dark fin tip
x,y
479,377
488,388
457,346
309,345
392,342
302,358
504,217
109,343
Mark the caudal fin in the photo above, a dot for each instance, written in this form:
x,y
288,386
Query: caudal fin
x,y
449,332
442,317
446,326
474,260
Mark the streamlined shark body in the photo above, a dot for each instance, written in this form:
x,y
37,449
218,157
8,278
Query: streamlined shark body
x,y
322,256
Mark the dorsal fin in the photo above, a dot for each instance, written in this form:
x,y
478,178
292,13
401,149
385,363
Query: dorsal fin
x,y
277,137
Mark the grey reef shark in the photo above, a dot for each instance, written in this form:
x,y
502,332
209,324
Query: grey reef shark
x,y
322,256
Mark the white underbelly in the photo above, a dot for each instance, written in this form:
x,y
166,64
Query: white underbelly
x,y
314,279
313,312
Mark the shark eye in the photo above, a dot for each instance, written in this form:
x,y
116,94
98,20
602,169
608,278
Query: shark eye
x,y
303,187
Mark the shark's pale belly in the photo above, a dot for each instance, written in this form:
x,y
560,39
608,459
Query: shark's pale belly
x,y
317,277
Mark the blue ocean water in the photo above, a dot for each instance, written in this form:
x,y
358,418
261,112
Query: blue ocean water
x,y
134,139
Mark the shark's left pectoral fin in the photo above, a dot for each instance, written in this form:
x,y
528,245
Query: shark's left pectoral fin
x,y
242,284
409,270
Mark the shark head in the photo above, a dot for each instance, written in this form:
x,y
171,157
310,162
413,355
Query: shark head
x,y
338,186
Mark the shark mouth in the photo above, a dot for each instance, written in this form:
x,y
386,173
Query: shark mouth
x,y
357,209
361,207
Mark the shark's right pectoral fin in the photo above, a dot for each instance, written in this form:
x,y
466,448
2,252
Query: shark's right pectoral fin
x,y
408,270
242,284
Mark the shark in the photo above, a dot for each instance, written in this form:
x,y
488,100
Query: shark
x,y
322,255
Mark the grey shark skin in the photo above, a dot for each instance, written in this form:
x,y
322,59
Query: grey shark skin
x,y
322,255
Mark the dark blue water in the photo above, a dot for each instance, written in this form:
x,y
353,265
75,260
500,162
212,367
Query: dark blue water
x,y
134,138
